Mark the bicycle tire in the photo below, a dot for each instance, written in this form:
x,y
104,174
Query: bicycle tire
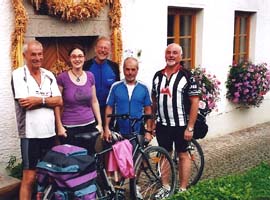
x,y
197,164
147,179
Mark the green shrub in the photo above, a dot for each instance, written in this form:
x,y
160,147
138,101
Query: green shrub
x,y
14,167
252,185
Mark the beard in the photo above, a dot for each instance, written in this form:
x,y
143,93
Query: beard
x,y
171,63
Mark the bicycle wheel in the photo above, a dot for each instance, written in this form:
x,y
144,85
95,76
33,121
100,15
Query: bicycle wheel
x,y
151,165
197,162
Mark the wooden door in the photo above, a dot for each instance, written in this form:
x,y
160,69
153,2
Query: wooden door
x,y
56,51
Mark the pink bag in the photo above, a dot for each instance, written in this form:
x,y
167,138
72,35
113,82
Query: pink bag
x,y
121,159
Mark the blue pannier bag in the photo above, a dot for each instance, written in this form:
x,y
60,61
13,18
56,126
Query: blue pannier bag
x,y
70,170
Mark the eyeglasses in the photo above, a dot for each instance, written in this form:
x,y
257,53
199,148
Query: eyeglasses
x,y
80,56
104,48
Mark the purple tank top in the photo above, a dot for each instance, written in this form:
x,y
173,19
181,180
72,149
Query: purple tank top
x,y
77,108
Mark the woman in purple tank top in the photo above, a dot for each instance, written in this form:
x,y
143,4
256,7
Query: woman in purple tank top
x,y
80,112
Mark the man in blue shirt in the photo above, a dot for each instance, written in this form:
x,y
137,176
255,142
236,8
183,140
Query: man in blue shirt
x,y
106,72
129,96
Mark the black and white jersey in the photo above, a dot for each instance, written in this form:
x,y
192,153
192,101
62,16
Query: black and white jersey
x,y
173,104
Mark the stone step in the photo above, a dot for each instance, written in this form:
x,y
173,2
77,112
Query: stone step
x,y
9,187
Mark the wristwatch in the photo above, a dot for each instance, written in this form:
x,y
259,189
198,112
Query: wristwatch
x,y
43,101
190,129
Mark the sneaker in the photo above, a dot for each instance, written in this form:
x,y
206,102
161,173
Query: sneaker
x,y
181,190
139,195
162,193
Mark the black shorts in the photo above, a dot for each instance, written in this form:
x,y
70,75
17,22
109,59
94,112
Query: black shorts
x,y
34,149
167,135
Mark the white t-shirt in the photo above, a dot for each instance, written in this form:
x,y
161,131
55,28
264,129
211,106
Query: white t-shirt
x,y
36,123
130,89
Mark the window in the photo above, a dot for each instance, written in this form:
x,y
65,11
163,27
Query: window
x,y
181,30
241,37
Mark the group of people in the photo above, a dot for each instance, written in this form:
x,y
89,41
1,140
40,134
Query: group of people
x,y
50,109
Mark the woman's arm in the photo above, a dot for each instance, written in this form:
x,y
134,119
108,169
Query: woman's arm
x,y
61,131
96,110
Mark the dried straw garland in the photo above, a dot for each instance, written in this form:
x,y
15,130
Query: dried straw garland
x,y
17,37
116,36
73,10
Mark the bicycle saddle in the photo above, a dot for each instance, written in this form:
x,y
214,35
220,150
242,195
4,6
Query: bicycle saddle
x,y
87,135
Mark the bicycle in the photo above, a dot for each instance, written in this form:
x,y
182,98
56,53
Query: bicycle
x,y
148,162
197,162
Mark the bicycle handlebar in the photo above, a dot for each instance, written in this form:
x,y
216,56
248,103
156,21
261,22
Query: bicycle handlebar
x,y
127,116
133,120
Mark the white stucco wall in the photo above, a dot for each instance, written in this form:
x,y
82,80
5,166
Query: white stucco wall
x,y
144,26
8,134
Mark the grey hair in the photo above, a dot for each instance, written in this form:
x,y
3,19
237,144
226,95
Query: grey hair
x,y
27,44
131,58
104,39
178,46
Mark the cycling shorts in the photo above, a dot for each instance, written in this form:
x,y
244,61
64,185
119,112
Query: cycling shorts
x,y
169,135
34,149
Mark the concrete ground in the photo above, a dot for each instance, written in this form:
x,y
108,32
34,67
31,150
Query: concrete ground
x,y
237,151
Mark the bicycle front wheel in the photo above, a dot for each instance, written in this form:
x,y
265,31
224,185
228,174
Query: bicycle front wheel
x,y
153,167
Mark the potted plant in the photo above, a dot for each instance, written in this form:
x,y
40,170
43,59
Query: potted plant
x,y
210,90
247,83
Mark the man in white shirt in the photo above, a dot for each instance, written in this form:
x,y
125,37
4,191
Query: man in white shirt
x,y
36,95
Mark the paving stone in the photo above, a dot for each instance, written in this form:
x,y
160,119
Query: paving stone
x,y
237,151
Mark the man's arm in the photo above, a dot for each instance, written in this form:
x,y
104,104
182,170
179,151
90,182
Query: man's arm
x,y
38,102
149,131
53,101
154,112
194,100
107,131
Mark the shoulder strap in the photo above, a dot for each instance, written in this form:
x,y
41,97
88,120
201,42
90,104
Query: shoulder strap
x,y
87,64
115,68
187,74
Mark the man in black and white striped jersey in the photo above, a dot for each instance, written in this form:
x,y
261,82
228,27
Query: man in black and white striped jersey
x,y
175,96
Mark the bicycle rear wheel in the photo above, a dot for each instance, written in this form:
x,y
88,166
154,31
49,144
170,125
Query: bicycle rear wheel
x,y
151,165
197,162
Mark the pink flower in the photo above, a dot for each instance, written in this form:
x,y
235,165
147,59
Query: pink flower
x,y
235,100
236,94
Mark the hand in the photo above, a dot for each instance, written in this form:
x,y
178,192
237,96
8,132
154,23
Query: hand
x,y
107,135
29,102
99,128
61,131
188,135
148,137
